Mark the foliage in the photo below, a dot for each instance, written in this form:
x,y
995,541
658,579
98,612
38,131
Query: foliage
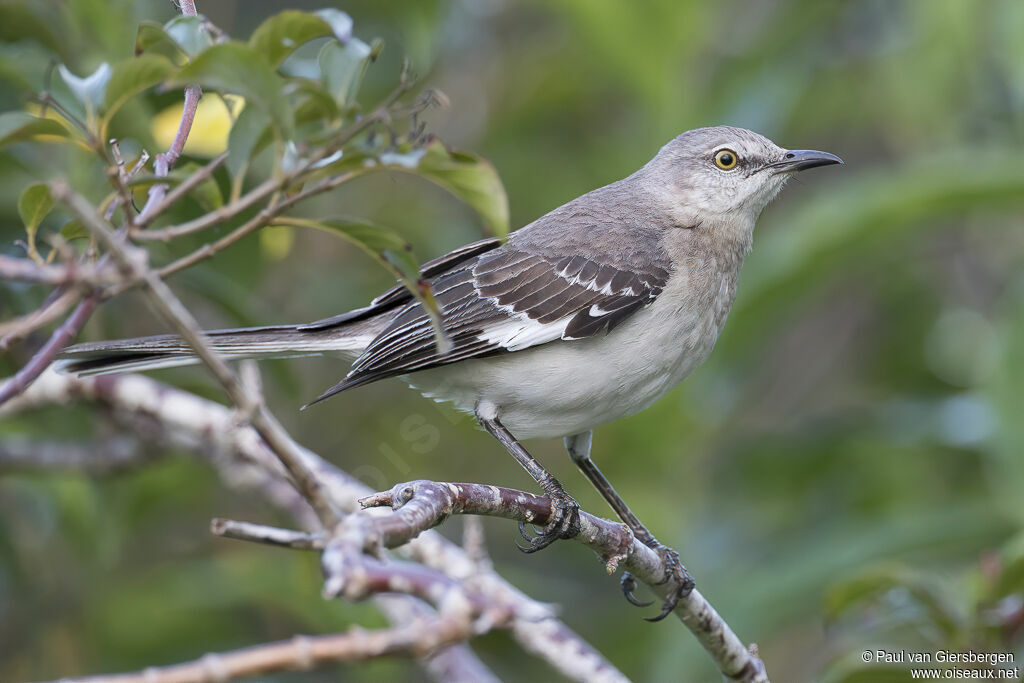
x,y
843,473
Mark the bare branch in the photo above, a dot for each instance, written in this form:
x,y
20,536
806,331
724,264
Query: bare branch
x,y
60,338
302,653
27,270
101,456
269,535
421,505
275,184
455,663
164,162
193,181
59,301
263,218
170,308
193,422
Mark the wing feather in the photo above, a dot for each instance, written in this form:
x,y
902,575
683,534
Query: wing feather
x,y
501,300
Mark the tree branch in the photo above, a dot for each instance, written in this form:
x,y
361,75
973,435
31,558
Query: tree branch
x,y
64,334
302,653
131,261
163,163
101,456
59,301
244,460
42,358
269,535
421,505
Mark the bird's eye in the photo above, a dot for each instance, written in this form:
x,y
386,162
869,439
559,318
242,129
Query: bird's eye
x,y
726,159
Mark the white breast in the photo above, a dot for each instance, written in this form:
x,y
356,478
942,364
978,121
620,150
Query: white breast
x,y
566,387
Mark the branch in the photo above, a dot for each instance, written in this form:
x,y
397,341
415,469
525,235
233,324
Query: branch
x,y
198,178
269,535
244,460
264,217
54,307
301,653
421,505
275,184
102,456
64,334
164,162
170,308
41,360
27,270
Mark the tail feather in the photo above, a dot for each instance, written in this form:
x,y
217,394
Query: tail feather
x,y
167,350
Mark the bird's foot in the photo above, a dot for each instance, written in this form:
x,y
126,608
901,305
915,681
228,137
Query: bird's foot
x,y
563,523
676,574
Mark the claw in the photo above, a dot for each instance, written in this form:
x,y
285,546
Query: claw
x,y
674,569
538,543
564,523
666,607
628,584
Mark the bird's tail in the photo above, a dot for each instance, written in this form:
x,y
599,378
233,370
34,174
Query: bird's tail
x,y
167,350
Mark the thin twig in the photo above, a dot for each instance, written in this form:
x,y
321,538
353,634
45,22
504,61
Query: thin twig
x,y
192,422
164,162
275,184
13,331
268,535
170,308
194,180
302,653
101,456
64,334
27,270
263,218
42,358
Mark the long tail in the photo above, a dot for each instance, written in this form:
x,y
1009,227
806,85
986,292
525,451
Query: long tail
x,y
167,350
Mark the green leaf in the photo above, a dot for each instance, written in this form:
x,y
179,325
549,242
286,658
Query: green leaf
x,y
391,251
73,230
342,67
875,581
21,23
33,206
132,76
151,37
281,34
248,136
18,126
472,179
89,90
383,244
207,193
237,68
189,33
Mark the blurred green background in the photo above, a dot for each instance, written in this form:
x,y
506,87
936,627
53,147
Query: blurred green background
x,y
844,473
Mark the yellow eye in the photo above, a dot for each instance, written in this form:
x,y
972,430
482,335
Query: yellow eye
x,y
726,159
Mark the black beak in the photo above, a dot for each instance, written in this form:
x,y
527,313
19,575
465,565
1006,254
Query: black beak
x,y
803,159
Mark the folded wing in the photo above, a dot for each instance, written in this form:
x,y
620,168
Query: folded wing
x,y
506,300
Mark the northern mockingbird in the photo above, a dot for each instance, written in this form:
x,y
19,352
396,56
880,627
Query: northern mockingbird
x,y
588,314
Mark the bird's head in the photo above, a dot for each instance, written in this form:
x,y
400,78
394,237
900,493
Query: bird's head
x,y
725,173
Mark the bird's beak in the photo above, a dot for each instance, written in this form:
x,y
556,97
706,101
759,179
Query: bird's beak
x,y
803,159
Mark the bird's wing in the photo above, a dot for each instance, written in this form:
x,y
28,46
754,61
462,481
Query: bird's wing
x,y
505,300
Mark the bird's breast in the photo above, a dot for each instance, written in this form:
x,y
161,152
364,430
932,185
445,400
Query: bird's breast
x,y
565,387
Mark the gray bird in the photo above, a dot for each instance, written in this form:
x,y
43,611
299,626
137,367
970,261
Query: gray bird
x,y
590,313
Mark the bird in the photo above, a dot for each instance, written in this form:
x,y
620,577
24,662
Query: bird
x,y
589,314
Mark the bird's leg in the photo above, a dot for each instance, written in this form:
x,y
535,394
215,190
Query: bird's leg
x,y
565,512
578,446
